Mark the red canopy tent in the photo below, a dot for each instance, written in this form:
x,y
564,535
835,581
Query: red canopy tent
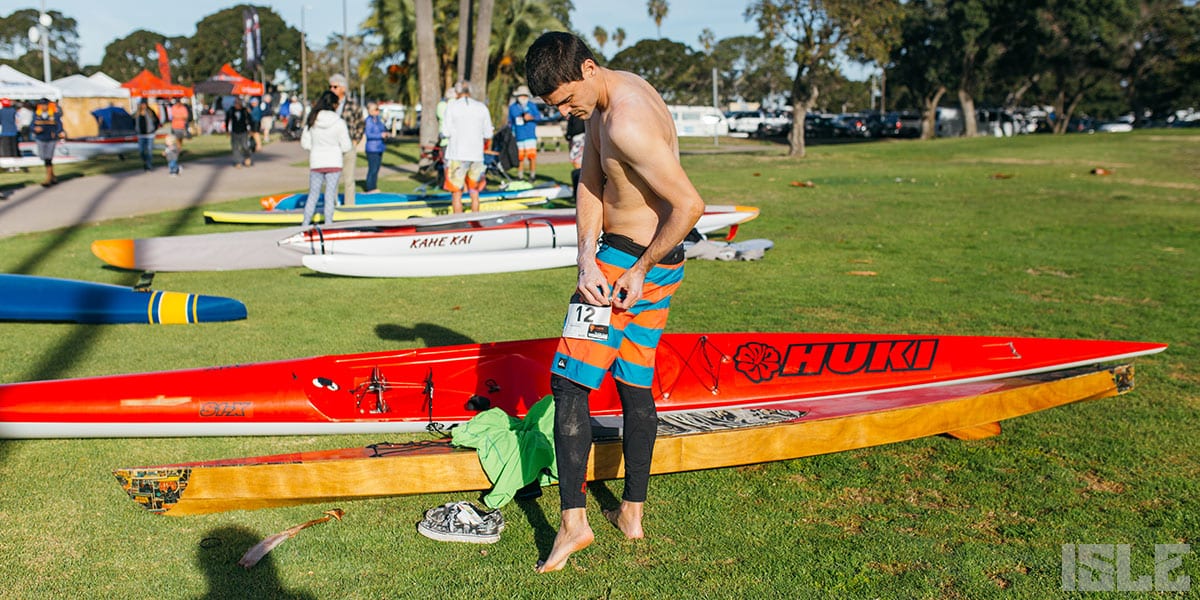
x,y
229,82
146,85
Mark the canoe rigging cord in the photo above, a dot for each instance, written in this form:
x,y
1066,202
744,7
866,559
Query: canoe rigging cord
x,y
713,372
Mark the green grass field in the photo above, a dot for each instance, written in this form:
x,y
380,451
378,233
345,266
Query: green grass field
x,y
973,237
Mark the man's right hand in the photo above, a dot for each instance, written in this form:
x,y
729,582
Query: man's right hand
x,y
593,287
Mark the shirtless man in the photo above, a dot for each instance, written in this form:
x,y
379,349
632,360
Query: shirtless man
x,y
635,192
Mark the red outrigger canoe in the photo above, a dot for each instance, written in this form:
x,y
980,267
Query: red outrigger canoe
x,y
686,441
409,390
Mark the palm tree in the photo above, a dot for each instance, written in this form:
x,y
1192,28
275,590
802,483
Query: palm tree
x,y
658,12
427,67
707,40
516,25
619,37
394,22
483,43
601,36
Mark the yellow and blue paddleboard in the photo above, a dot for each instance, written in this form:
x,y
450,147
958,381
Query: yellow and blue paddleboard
x,y
367,212
33,298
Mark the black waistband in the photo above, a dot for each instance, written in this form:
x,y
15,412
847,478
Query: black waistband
x,y
632,248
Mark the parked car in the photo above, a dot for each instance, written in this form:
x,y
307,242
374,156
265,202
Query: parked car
x,y
862,125
1081,125
745,121
822,126
1115,127
698,121
903,124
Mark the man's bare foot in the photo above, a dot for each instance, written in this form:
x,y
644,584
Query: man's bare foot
x,y
628,518
573,535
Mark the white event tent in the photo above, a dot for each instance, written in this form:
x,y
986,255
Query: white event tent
x,y
16,85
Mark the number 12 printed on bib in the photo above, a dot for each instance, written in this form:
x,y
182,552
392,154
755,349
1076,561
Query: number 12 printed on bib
x,y
587,322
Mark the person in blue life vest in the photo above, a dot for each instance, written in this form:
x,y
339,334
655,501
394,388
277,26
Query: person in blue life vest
x,y
523,118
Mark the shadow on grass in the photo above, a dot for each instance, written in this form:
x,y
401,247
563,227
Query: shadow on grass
x,y
217,556
543,531
75,343
432,335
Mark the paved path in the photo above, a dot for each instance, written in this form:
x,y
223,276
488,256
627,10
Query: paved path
x,y
278,166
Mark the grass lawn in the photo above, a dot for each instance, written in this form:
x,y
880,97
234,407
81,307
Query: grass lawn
x,y
967,236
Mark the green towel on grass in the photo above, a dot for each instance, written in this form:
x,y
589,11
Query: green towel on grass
x,y
514,452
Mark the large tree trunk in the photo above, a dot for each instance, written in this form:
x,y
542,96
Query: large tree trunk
x,y
479,56
804,97
1061,118
427,68
929,116
796,135
967,102
464,38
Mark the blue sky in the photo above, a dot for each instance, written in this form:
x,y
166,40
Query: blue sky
x,y
103,22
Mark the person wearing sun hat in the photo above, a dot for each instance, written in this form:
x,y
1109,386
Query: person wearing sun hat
x,y
523,118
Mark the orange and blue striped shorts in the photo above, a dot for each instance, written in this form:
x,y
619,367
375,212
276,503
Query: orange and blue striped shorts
x,y
633,334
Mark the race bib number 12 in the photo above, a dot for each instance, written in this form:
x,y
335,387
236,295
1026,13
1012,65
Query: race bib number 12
x,y
587,322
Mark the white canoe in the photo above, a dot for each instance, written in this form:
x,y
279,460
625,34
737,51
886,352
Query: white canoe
x,y
239,250
440,265
509,231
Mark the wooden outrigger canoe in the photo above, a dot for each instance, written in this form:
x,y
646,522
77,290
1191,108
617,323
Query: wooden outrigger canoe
x,y
724,438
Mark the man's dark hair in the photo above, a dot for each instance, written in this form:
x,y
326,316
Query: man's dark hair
x,y
555,58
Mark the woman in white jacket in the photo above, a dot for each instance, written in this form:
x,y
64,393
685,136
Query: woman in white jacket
x,y
327,140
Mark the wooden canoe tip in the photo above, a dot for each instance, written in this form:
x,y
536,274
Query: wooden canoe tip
x,y
978,432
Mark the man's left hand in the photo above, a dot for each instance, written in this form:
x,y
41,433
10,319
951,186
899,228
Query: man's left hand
x,y
627,289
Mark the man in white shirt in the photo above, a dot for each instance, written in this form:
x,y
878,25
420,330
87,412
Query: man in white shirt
x,y
467,128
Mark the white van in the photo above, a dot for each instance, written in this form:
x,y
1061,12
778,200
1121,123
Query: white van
x,y
698,121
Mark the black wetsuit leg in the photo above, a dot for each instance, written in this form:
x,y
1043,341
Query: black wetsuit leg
x,y
637,444
572,440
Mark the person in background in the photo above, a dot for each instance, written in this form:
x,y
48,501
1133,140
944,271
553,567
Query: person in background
x,y
295,117
523,118
285,111
238,125
47,130
375,131
180,115
575,140
327,140
268,118
25,121
351,112
171,152
633,192
468,129
145,124
256,114
9,146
